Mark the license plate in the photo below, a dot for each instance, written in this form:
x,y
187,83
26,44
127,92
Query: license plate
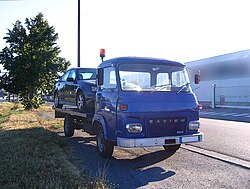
x,y
190,139
170,141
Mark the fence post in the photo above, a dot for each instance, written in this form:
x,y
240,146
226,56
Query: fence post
x,y
213,95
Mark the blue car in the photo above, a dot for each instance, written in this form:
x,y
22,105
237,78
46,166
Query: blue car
x,y
76,87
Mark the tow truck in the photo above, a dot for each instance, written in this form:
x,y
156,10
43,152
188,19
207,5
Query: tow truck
x,y
140,102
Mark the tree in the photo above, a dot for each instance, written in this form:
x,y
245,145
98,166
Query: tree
x,y
31,60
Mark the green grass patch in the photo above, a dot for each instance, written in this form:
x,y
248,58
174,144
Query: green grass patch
x,y
32,154
7,109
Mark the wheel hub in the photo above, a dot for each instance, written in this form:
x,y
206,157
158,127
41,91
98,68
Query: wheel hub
x,y
100,142
80,102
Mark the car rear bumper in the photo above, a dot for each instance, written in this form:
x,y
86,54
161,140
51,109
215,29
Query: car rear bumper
x,y
159,141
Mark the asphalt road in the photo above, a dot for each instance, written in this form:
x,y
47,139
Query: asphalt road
x,y
154,168
230,114
231,138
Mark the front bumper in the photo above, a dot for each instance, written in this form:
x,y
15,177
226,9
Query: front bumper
x,y
159,141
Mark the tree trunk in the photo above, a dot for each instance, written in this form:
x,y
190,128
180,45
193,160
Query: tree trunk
x,y
31,94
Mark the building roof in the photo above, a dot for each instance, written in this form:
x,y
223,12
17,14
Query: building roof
x,y
231,57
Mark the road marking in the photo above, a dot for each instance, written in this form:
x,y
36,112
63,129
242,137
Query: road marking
x,y
225,114
228,159
220,113
205,112
238,115
210,113
214,113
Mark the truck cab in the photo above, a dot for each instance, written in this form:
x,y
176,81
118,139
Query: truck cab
x,y
144,102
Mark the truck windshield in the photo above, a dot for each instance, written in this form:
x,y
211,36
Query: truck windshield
x,y
154,78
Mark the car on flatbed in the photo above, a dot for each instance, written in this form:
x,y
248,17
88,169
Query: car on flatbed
x,y
76,87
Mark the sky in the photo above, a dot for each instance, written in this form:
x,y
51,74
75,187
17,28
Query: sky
x,y
179,30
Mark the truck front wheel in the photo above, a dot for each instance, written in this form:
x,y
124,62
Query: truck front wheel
x,y
172,148
105,147
68,126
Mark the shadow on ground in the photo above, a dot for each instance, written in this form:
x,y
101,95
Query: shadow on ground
x,y
128,168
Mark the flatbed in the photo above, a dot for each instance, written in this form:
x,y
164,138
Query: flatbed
x,y
74,119
73,111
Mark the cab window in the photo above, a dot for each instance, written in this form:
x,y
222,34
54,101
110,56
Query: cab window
x,y
109,78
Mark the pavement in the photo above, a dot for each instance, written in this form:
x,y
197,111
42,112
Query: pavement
x,y
231,114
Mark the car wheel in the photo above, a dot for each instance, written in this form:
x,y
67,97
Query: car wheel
x,y
56,101
80,101
68,126
172,148
104,147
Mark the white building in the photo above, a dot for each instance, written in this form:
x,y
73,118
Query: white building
x,y
230,74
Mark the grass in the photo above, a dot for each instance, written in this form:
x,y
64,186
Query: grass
x,y
32,154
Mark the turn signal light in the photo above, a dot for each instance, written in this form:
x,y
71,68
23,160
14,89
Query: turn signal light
x,y
199,106
123,107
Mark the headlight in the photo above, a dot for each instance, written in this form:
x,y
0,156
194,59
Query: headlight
x,y
194,125
134,127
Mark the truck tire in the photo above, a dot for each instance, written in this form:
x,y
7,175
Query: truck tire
x,y
56,101
104,147
68,126
172,148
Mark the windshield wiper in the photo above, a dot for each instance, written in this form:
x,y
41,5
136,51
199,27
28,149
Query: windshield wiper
x,y
182,87
160,87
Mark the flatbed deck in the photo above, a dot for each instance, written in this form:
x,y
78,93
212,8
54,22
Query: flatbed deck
x,y
74,119
72,111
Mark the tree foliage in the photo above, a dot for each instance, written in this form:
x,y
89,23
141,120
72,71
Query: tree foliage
x,y
31,60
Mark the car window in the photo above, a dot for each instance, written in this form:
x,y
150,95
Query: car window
x,y
86,74
73,74
65,76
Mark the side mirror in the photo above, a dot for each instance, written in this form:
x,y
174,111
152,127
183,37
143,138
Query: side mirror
x,y
70,79
197,78
100,76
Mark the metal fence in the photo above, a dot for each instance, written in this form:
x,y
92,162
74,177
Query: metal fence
x,y
232,96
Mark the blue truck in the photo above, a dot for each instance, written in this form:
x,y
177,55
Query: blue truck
x,y
139,102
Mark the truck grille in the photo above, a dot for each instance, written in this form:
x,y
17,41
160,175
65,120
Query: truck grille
x,y
167,126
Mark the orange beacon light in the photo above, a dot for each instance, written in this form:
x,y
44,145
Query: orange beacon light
x,y
102,53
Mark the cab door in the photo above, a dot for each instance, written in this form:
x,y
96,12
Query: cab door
x,y
106,100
